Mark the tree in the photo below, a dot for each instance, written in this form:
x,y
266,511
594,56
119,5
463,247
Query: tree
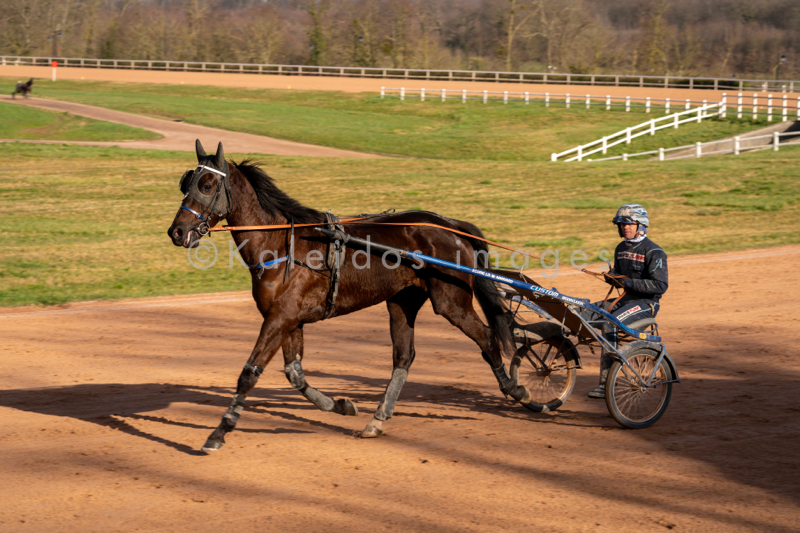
x,y
515,22
319,46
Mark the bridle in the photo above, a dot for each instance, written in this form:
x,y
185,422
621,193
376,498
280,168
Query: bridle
x,y
189,185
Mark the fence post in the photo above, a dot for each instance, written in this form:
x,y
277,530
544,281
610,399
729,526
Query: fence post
x,y
652,127
739,106
698,149
527,97
588,101
553,157
647,105
422,94
769,107
723,105
755,106
785,110
776,141
485,96
547,99
736,146
627,103
624,157
688,105
605,145
666,107
402,93
608,102
464,96
699,114
444,95
580,153
567,101
627,136
505,97
676,120
660,154
383,92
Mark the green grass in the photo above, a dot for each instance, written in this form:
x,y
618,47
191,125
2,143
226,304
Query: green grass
x,y
29,123
364,122
90,223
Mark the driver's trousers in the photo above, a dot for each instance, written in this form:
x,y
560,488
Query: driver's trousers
x,y
627,313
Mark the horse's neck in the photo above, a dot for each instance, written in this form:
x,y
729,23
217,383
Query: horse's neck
x,y
247,211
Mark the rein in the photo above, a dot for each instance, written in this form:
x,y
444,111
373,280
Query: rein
x,y
355,221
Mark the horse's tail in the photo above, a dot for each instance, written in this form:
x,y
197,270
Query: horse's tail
x,y
492,304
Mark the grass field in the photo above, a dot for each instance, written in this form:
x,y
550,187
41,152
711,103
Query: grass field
x,y
22,122
88,223
364,122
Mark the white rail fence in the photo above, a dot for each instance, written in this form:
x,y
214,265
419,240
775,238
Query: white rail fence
x,y
734,146
611,80
747,106
650,127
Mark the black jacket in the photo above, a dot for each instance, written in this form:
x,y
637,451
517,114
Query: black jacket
x,y
645,263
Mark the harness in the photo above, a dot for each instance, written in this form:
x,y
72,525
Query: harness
x,y
334,260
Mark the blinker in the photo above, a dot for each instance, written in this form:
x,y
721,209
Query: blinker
x,y
219,201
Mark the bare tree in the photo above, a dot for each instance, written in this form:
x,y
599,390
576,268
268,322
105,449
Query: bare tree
x,y
517,17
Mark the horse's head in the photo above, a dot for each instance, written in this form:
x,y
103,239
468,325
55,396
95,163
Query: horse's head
x,y
207,198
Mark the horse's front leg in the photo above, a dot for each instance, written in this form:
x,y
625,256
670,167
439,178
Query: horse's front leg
x,y
293,368
274,331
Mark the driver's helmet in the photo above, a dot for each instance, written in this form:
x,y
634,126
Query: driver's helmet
x,y
632,214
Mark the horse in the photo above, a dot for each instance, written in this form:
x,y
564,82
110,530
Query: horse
x,y
311,278
23,88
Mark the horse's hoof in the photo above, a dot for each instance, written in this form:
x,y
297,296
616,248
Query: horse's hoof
x,y
211,446
526,399
345,407
373,429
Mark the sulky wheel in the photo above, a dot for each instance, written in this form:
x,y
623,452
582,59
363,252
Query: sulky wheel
x,y
631,404
548,369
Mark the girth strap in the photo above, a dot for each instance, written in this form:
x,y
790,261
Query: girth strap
x,y
334,260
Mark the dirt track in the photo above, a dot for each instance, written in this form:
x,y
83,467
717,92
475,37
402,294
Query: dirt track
x,y
319,83
106,404
180,136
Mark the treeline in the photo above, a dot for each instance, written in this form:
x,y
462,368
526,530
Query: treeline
x,y
745,38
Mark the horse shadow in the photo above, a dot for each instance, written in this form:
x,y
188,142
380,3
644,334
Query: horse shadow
x,y
112,405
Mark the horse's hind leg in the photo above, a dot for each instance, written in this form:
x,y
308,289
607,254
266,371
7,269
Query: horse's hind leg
x,y
455,305
292,357
403,309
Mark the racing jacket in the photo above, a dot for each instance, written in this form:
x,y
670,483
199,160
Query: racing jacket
x,y
645,263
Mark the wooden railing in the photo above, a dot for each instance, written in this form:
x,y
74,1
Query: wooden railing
x,y
608,80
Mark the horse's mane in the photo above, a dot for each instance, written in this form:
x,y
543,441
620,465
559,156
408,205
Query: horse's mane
x,y
273,200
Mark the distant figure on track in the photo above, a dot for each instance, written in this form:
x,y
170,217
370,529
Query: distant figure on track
x,y
643,265
23,88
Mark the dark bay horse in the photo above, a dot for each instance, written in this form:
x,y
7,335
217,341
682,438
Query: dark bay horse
x,y
23,88
300,291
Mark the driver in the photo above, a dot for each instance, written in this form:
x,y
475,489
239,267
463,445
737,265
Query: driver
x,y
644,265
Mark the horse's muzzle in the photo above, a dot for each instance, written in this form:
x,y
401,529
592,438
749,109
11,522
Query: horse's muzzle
x,y
183,237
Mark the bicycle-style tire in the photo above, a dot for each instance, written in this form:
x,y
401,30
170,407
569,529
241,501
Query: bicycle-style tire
x,y
630,404
548,370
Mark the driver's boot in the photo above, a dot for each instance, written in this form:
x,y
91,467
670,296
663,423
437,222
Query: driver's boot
x,y
605,366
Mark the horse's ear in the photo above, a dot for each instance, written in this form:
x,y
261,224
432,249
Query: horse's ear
x,y
198,147
220,156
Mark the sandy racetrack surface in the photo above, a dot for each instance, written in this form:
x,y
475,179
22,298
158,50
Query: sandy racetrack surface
x,y
329,83
105,406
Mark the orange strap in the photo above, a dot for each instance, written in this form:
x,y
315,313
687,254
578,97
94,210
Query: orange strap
x,y
352,221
